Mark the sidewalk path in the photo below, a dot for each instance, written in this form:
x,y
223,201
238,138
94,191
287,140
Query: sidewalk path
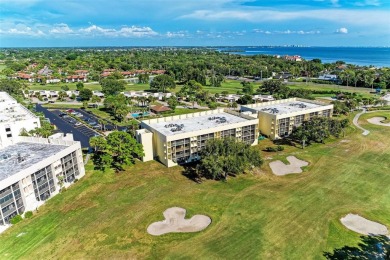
x,y
356,119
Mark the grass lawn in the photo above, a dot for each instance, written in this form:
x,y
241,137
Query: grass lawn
x,y
72,86
182,111
365,92
231,86
137,87
57,106
254,216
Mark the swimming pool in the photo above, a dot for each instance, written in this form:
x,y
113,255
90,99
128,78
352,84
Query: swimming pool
x,y
136,115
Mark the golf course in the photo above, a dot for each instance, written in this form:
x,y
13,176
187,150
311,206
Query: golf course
x,y
257,215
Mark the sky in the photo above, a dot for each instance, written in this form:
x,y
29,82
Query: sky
x,y
78,23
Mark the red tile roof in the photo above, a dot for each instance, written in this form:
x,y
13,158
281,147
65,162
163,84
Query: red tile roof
x,y
158,109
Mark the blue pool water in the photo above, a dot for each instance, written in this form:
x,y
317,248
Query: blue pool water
x,y
136,115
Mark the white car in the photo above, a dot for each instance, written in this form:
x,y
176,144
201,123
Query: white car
x,y
78,124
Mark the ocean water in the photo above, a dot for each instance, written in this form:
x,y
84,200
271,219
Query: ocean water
x,y
362,56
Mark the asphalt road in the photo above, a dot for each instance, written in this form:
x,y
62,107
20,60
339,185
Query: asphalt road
x,y
81,133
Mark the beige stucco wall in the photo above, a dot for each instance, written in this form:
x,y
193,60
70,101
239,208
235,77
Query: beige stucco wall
x,y
268,123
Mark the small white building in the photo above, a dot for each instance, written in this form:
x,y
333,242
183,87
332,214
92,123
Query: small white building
x,y
13,119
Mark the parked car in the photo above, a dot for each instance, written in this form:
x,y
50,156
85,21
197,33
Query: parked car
x,y
70,110
62,114
78,124
92,123
97,126
51,102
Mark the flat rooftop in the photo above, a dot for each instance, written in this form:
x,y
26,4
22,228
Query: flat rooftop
x,y
20,156
197,123
12,111
286,107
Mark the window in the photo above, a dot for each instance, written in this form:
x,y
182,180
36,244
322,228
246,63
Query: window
x,y
9,135
8,129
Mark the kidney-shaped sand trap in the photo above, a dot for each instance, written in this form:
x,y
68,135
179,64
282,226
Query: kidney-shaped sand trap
x,y
378,121
175,222
363,226
279,168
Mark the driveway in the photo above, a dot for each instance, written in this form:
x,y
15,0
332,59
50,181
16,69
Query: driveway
x,y
81,133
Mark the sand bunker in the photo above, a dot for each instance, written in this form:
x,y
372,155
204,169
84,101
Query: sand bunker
x,y
279,168
175,222
377,121
363,226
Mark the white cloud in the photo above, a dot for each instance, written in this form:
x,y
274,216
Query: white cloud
x,y
342,30
61,28
21,30
127,32
135,31
179,34
94,29
287,32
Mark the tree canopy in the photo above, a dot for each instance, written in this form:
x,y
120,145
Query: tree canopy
x,y
112,86
117,106
223,157
85,94
317,129
116,151
162,83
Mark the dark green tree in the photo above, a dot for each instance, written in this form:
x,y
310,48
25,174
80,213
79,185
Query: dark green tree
x,y
123,148
112,86
117,106
162,83
223,157
369,247
79,86
143,78
85,94
271,86
172,102
102,157
247,88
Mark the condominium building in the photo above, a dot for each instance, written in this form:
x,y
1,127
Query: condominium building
x,y
179,139
13,119
33,170
278,118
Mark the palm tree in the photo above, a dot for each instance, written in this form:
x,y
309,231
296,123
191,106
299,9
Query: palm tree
x,y
101,122
150,101
192,99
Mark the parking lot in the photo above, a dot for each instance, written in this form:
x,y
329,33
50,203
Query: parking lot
x,y
92,117
67,124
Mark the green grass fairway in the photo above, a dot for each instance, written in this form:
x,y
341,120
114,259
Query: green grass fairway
x,y
72,86
365,92
254,216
